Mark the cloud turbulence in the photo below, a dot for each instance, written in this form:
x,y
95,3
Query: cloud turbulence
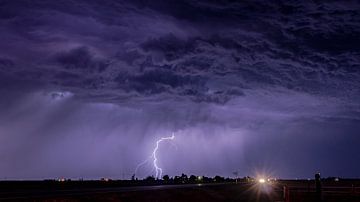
x,y
87,87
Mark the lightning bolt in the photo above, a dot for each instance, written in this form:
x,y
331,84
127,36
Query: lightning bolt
x,y
154,158
158,170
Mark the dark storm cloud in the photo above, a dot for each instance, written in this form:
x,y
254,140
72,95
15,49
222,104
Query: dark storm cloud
x,y
306,47
6,63
80,58
221,73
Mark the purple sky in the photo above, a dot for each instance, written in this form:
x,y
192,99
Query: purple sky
x,y
87,87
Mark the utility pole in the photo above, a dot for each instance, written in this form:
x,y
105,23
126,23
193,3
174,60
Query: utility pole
x,y
236,173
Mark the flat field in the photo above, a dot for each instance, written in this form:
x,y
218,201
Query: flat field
x,y
119,191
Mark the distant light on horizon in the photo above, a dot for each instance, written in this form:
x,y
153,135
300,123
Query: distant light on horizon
x,y
262,180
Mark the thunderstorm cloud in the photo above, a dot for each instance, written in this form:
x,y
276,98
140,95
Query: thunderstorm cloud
x,y
87,87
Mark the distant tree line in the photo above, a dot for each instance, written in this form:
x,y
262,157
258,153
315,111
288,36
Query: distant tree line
x,y
192,179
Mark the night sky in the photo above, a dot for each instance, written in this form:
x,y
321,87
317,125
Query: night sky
x,y
88,87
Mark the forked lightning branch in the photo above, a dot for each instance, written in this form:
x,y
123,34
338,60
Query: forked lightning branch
x,y
154,157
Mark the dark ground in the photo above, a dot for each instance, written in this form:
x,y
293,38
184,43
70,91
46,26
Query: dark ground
x,y
115,191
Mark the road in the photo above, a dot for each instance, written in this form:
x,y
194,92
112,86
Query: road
x,y
34,194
